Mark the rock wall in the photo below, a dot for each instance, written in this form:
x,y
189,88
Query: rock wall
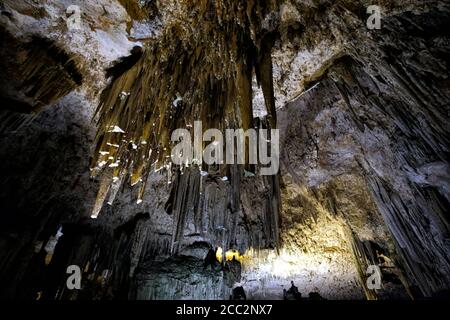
x,y
363,116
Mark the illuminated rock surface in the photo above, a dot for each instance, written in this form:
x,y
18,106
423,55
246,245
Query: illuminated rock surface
x,y
364,176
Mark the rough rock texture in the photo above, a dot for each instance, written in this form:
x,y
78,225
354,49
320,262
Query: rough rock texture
x,y
364,175
375,99
46,185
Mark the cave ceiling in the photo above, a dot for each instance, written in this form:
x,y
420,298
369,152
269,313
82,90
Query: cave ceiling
x,y
88,108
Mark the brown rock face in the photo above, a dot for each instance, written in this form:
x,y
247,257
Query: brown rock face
x,y
87,114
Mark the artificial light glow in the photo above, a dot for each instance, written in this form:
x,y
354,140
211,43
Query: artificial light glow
x,y
229,255
219,254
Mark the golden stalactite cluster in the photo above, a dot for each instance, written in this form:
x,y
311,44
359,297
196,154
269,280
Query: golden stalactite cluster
x,y
48,73
197,69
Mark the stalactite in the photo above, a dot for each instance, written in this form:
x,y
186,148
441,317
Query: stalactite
x,y
137,113
41,73
368,109
364,258
185,202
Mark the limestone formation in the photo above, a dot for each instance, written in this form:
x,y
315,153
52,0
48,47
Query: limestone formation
x,y
87,111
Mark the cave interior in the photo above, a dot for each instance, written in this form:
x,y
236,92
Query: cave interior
x,y
92,90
